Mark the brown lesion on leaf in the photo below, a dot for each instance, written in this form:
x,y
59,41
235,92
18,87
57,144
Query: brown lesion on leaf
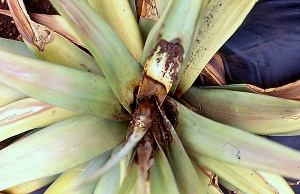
x,y
161,69
42,35
30,108
138,7
175,56
154,91
293,117
213,178
162,66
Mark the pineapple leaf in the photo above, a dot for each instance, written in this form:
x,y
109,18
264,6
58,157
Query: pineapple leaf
x,y
58,148
27,114
235,146
129,185
207,179
233,87
61,86
9,95
182,167
31,186
276,182
246,180
121,70
162,179
16,47
220,21
76,175
185,174
111,181
247,111
119,16
168,45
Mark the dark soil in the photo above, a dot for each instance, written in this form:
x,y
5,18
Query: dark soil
x,y
7,27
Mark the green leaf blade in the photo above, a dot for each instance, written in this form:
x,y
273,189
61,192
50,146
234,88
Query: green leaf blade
x,y
186,176
235,146
57,148
27,114
61,86
220,21
76,176
161,177
120,68
246,180
255,113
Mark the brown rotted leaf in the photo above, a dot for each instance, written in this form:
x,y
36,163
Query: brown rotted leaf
x,y
34,33
58,24
161,70
214,72
288,91
55,22
144,155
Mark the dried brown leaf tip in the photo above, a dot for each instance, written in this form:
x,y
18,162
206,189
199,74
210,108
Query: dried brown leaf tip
x,y
147,9
214,72
32,32
288,91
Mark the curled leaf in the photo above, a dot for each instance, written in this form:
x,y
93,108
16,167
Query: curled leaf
x,y
288,91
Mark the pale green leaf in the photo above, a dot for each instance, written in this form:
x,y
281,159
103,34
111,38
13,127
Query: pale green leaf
x,y
256,113
232,145
221,19
130,181
121,70
61,86
161,176
58,148
111,181
186,176
27,114
9,95
69,181
16,47
246,180
31,186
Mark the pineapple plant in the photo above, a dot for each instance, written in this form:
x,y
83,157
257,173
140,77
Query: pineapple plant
x,y
101,100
